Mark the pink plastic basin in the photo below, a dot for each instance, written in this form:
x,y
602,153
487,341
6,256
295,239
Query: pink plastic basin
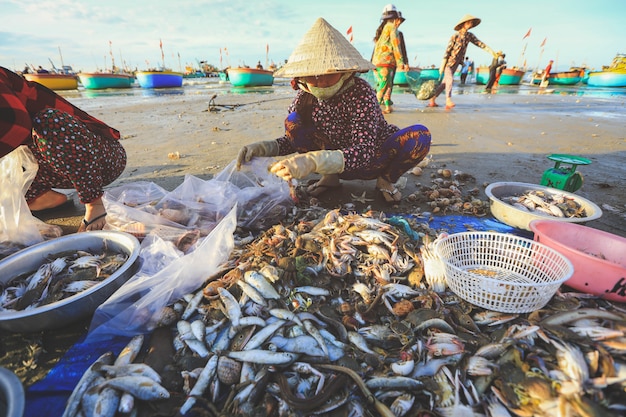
x,y
599,257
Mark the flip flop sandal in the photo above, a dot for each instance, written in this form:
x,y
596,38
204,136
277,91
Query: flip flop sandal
x,y
384,191
86,223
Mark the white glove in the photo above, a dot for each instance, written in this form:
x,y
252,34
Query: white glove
x,y
300,166
265,148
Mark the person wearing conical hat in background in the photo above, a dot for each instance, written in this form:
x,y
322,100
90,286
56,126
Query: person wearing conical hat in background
x,y
335,124
453,57
389,54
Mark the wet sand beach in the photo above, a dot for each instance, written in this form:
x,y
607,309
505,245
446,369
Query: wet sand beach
x,y
504,136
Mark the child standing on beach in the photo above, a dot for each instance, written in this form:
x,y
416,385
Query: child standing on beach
x,y
335,123
72,148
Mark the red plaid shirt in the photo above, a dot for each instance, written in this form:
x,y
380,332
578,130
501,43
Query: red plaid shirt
x,y
21,100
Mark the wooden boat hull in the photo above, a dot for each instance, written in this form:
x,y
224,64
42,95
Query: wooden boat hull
x,y
54,81
250,77
100,81
509,76
611,78
409,77
561,78
159,79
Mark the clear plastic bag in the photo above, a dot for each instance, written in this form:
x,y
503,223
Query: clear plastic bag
x,y
17,224
263,199
165,277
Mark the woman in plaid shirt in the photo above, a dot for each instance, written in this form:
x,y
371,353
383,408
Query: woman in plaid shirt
x,y
454,54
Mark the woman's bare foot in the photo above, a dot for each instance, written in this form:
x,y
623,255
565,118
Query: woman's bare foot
x,y
95,216
326,183
47,200
389,191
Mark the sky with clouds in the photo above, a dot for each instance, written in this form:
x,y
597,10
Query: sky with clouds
x,y
85,33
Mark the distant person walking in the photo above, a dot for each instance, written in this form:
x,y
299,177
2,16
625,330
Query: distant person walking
x,y
546,72
495,70
466,69
452,58
388,56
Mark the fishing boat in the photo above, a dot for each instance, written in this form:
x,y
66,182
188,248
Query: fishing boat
x,y
102,80
509,76
250,77
159,79
571,77
406,78
54,81
613,75
429,74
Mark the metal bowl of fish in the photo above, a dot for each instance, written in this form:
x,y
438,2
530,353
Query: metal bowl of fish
x,y
519,203
53,283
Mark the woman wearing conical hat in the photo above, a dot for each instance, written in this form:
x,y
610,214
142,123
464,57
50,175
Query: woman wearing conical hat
x,y
453,57
335,124
389,54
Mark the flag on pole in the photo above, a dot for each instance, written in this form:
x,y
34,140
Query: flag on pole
x,y
527,33
543,43
350,35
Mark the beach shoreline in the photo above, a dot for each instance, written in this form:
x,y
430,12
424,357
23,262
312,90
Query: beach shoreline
x,y
492,137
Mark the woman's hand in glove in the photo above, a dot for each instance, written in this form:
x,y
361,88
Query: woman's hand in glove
x,y
265,148
300,166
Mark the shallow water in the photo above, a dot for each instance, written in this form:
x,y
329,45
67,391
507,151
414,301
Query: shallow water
x,y
599,101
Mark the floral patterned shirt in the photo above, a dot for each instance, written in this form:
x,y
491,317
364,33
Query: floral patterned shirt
x,y
455,51
388,51
352,121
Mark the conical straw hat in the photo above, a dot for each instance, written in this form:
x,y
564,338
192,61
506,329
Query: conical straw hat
x,y
323,50
468,17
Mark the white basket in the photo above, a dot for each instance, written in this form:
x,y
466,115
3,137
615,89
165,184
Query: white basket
x,y
502,272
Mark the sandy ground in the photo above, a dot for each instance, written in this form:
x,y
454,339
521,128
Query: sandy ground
x,y
500,137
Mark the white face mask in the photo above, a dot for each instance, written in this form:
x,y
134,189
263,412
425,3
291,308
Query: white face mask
x,y
326,93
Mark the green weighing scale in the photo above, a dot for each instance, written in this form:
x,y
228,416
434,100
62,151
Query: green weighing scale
x,y
564,178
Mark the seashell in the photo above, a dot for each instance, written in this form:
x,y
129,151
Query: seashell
x,y
412,197
228,370
446,173
136,229
403,368
417,171
402,308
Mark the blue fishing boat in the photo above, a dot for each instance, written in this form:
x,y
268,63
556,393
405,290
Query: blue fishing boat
x,y
250,77
159,79
509,76
571,77
409,77
429,74
102,80
613,75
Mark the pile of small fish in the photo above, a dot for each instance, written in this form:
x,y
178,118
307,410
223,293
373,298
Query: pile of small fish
x,y
66,274
335,316
547,204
